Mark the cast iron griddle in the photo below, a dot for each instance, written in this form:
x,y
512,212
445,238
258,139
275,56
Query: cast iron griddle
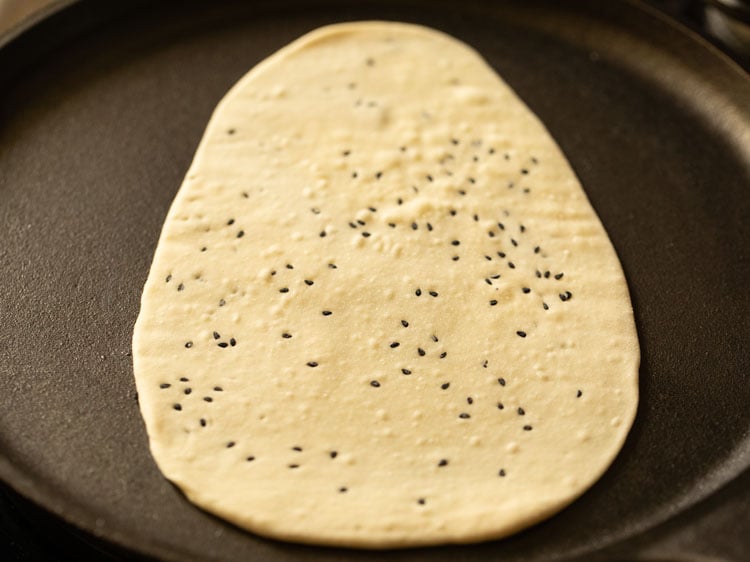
x,y
101,108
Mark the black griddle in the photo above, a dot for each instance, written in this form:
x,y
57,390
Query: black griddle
x,y
102,105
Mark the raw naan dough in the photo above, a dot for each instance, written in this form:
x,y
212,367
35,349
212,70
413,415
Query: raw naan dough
x,y
325,352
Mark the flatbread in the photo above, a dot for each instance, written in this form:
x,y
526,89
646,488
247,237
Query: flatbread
x,y
382,312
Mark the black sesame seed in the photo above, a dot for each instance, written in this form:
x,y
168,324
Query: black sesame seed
x,y
421,352
455,258
493,302
188,344
501,473
485,363
168,278
579,394
418,292
378,175
188,390
470,400
421,501
513,242
230,222
332,266
429,177
461,192
164,385
522,228
312,363
433,293
322,234
487,280
184,379
223,344
443,355
180,287
538,274
400,201
218,389
354,175
327,313
353,225
232,342
546,274
527,428
453,212
488,258
496,276
343,489
293,466
537,249
286,335
284,290
491,234
464,416
521,412
376,384
500,406
333,454
501,254
177,407
250,458
372,209
429,227
346,153
298,449
203,249
222,302
217,335
521,333
366,234
203,422
511,265
559,276
445,385
545,306
434,338
501,226
524,171
392,224
501,380
240,234
231,444
443,462
414,226
406,371
404,323
308,282
456,242
208,399
472,180
526,290
394,345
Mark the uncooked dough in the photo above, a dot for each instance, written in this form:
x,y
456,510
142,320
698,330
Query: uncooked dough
x,y
382,312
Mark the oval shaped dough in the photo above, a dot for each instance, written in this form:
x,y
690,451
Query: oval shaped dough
x,y
382,311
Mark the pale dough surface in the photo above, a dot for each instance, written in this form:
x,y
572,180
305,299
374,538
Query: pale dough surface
x,y
361,188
